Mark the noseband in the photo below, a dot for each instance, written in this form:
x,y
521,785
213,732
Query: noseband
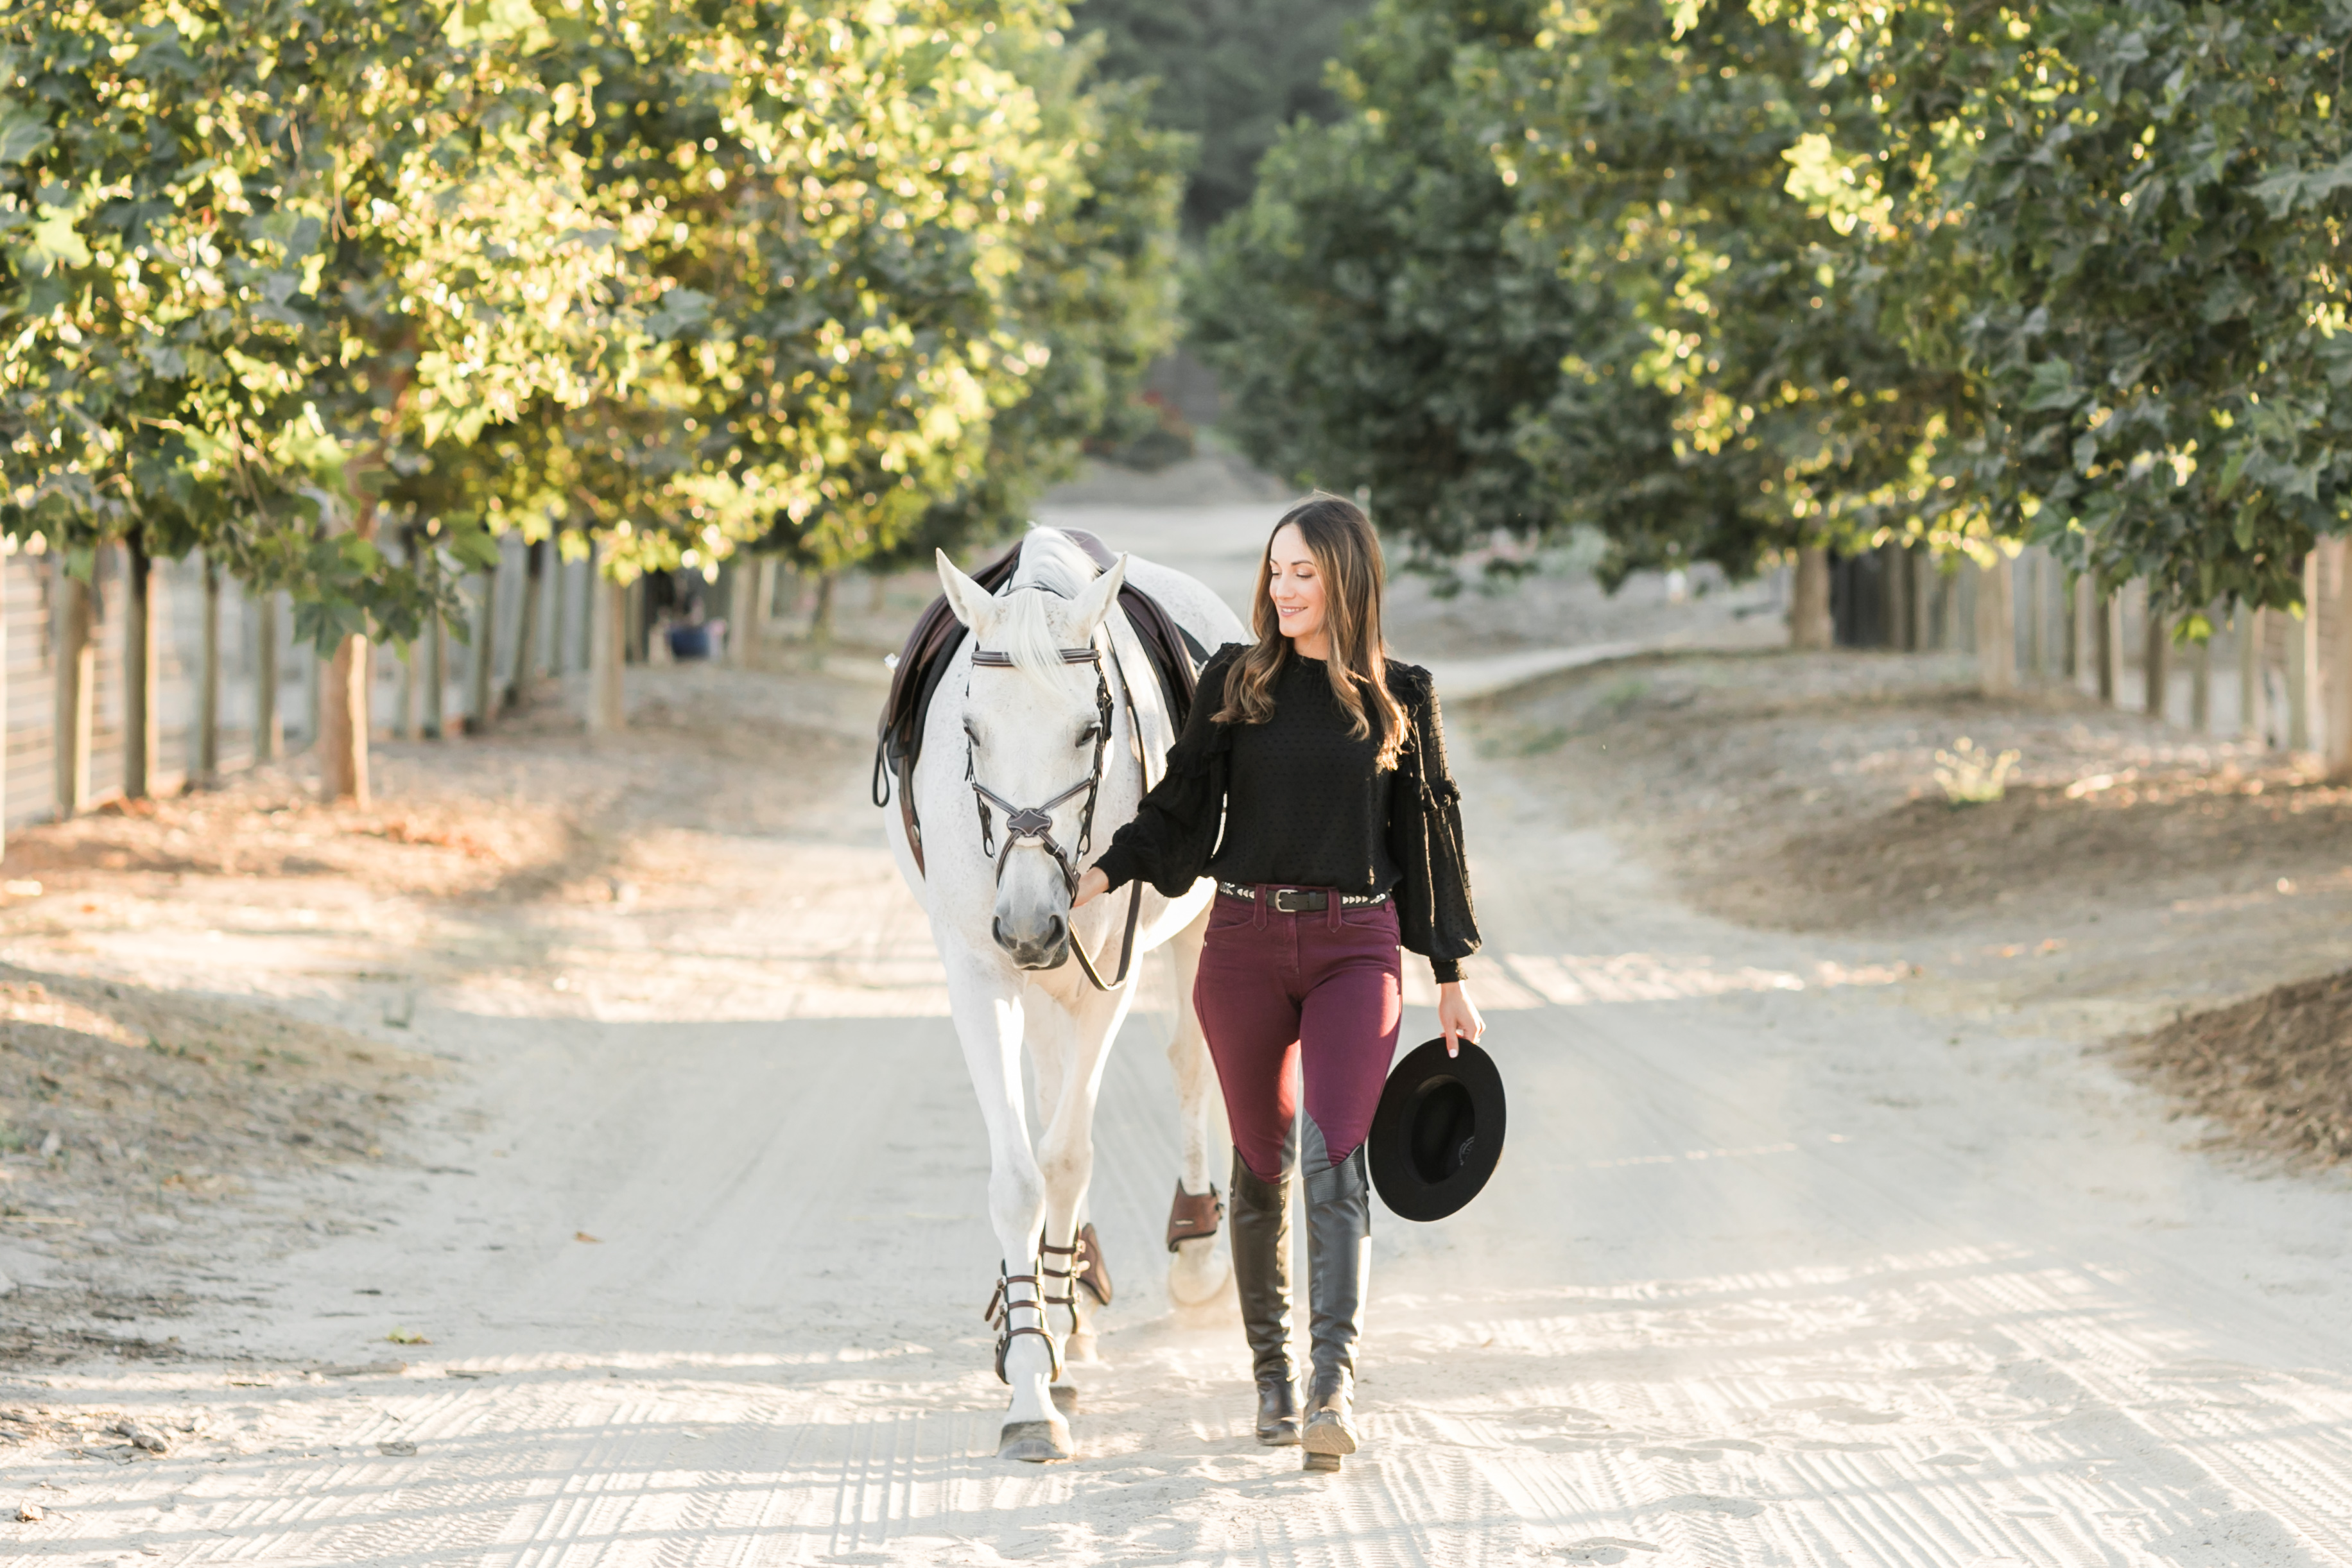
x,y
1035,823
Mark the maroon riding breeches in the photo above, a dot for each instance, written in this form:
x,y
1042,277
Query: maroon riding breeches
x,y
1318,995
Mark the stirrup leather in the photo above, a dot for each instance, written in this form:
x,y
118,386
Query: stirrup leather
x,y
999,1314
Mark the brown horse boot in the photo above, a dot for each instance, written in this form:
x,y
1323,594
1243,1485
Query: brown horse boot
x,y
1339,1270
1261,1220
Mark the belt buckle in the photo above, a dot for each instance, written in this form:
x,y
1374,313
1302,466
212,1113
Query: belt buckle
x,y
1283,904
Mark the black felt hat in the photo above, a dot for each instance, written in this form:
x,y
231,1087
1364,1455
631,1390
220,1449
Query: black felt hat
x,y
1438,1132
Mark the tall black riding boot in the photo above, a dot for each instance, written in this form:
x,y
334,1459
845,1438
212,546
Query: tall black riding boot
x,y
1261,1222
1339,1267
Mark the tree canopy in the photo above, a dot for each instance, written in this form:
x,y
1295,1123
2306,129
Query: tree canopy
x,y
684,277
1229,74
1825,274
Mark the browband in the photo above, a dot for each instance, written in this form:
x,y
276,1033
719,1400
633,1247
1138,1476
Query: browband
x,y
996,661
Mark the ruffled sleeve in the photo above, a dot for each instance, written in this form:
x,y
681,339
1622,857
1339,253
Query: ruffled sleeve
x,y
1174,830
1434,916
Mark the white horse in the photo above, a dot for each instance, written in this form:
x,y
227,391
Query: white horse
x,y
1054,652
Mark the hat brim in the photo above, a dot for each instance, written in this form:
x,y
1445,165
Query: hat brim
x,y
1402,1174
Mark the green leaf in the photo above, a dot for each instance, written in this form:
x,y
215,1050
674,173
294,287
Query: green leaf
x,y
2053,389
22,132
53,242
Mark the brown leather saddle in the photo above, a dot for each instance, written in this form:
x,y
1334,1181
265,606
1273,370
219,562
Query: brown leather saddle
x,y
1176,658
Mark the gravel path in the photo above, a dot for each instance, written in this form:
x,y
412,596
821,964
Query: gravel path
x,y
1781,1268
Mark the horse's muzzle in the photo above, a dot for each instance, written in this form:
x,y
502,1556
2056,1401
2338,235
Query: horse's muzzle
x,y
1048,947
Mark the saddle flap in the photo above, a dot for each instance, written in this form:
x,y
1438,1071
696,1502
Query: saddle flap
x,y
1154,726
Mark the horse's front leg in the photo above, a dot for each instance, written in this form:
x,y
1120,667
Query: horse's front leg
x,y
1071,1040
986,995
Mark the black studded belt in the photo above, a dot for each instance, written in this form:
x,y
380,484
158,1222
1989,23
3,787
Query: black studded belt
x,y
1299,900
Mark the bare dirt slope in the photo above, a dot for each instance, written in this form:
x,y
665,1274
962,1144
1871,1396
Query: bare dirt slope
x,y
1811,1245
2132,871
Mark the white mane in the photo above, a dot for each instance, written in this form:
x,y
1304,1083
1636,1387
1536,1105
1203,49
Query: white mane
x,y
1053,571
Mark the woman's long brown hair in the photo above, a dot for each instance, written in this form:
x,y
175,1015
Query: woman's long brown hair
x,y
1348,558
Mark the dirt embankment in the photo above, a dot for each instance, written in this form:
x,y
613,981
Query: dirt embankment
x,y
2130,873
119,1107
128,1110
2274,1070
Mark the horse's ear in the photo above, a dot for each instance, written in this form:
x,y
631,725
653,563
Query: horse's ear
x,y
974,605
1094,603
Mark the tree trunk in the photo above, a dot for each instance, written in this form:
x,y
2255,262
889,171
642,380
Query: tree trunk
x,y
141,724
1809,627
1922,597
534,586
2111,646
747,638
2302,664
75,686
483,707
313,695
1996,627
268,729
208,683
436,685
608,649
342,722
4,702
2252,690
342,752
2200,684
2339,673
821,612
2156,659
2037,615
432,650
2080,637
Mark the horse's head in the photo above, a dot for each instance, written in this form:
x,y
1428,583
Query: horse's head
x,y
1035,730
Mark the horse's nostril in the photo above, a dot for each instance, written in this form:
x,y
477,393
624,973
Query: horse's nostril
x,y
1054,929
996,929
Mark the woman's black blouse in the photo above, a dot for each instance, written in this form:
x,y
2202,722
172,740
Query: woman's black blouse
x,y
1301,803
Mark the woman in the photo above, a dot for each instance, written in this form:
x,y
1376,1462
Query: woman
x,y
1324,766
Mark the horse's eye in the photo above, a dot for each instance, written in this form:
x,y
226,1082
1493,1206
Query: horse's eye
x,y
1085,736
971,734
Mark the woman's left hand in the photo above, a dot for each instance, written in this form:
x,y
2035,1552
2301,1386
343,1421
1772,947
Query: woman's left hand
x,y
1457,1017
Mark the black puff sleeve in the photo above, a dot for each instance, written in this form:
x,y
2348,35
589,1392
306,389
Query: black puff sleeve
x,y
1435,918
1175,830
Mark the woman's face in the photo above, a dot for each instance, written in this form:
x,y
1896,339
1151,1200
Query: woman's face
x,y
1297,589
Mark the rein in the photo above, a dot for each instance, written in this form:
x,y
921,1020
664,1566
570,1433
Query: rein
x,y
1035,823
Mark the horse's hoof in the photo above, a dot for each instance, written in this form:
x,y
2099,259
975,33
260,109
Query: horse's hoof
x,y
1198,1274
1079,1350
1033,1442
1066,1397
1322,1464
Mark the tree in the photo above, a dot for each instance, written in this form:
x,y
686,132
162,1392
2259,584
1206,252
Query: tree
x,y
2140,211
1658,147
681,278
263,245
1376,316
1230,75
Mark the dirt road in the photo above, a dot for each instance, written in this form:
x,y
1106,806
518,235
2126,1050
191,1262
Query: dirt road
x,y
1790,1261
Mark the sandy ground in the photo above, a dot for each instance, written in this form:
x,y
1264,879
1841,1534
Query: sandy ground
x,y
1813,1244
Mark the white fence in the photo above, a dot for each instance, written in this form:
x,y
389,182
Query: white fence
x,y
30,596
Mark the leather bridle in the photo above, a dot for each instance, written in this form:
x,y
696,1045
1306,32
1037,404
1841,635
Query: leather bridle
x,y
1035,824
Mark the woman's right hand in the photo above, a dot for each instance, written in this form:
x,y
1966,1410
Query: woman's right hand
x,y
1092,885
